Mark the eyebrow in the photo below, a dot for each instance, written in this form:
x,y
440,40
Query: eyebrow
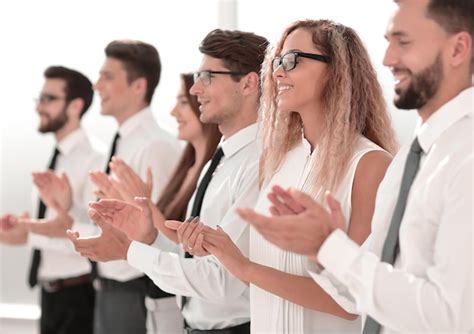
x,y
397,33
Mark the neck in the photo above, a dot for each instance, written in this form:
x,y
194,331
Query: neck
x,y
244,118
312,126
129,112
67,129
446,93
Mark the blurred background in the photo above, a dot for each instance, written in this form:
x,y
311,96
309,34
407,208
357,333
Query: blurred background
x,y
37,34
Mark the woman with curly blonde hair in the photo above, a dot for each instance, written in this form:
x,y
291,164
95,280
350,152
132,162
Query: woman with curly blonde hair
x,y
325,127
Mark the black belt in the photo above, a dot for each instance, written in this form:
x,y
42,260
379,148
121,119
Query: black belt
x,y
239,329
133,284
56,285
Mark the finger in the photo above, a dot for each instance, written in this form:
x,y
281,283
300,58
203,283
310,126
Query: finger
x,y
285,197
281,206
253,217
149,180
193,237
184,231
303,199
336,211
173,224
274,211
98,218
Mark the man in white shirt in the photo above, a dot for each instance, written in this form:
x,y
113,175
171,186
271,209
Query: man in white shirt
x,y
228,89
126,84
67,295
417,276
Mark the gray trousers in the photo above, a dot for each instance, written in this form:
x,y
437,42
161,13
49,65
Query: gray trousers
x,y
120,307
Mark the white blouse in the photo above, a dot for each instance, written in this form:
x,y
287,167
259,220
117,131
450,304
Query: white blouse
x,y
270,313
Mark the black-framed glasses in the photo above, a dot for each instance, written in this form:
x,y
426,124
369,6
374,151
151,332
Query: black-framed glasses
x,y
48,98
289,60
205,76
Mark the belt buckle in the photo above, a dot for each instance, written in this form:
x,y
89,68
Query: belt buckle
x,y
51,286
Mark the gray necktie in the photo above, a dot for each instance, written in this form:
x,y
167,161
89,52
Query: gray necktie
x,y
391,245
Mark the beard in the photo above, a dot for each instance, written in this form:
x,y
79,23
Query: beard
x,y
53,124
423,86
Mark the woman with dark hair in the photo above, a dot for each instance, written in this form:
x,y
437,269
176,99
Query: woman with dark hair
x,y
202,139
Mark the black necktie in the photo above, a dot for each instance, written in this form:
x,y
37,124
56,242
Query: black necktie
x,y
391,244
201,190
33,276
113,149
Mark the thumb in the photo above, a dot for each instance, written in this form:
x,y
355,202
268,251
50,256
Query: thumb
x,y
336,211
66,181
303,199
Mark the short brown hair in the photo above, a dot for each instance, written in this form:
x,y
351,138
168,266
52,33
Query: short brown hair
x,y
77,84
239,51
141,60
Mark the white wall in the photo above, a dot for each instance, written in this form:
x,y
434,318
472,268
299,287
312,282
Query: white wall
x,y
36,34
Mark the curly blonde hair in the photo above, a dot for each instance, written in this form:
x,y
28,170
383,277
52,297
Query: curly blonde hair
x,y
352,100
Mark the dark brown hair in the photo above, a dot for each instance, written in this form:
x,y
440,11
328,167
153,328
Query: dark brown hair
x,y
77,85
239,51
170,205
140,60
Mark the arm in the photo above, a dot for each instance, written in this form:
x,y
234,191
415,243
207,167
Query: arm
x,y
436,301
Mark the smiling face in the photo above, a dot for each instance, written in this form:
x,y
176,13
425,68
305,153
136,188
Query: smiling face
x,y
415,55
221,100
299,90
116,93
189,126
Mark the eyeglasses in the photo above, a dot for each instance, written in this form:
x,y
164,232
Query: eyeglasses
x,y
289,60
205,76
47,98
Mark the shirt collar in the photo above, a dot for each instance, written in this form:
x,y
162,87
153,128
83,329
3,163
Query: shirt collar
x,y
73,139
239,140
142,117
451,112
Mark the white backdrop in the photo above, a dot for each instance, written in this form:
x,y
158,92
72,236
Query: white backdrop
x,y
36,34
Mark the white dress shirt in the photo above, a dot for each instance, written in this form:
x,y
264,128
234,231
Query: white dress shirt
x,y
58,257
216,298
429,288
143,144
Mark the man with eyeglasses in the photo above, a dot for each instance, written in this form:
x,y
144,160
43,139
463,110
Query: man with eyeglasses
x,y
228,90
67,295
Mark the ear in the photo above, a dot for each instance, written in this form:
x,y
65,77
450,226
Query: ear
x,y
461,49
250,83
139,86
74,108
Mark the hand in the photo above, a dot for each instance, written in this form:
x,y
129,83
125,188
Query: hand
x,y
188,233
128,183
301,233
283,202
11,231
105,187
55,191
135,220
55,227
219,244
109,245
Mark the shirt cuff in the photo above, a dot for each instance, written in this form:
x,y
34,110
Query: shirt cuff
x,y
141,256
338,253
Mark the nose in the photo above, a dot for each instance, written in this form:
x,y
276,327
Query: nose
x,y
279,72
97,84
174,111
196,88
390,58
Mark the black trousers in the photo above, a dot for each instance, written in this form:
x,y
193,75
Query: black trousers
x,y
68,311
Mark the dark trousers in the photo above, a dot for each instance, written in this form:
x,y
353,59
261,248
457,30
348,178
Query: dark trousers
x,y
67,311
120,307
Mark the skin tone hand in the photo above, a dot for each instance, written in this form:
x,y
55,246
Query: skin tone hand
x,y
187,233
302,233
104,184
12,232
110,245
128,183
55,227
54,190
135,219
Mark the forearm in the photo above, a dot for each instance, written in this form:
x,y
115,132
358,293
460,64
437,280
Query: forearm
x,y
297,289
159,222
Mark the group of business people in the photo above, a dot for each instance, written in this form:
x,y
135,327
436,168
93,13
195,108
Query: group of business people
x,y
290,209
